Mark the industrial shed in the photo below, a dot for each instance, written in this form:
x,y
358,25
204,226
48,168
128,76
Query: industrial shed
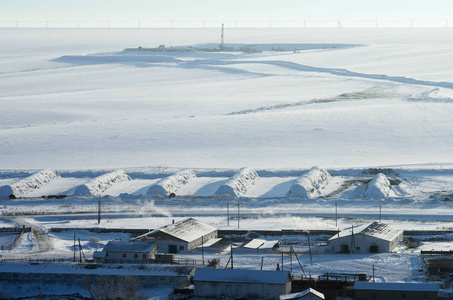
x,y
368,238
233,283
182,236
400,290
126,252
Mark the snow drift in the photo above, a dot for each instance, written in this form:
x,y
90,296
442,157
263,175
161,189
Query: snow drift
x,y
378,188
306,185
28,184
238,184
171,183
101,183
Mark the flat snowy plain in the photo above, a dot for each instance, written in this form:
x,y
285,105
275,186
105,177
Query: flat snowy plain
x,y
74,101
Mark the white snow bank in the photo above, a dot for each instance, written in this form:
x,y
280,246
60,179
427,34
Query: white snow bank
x,y
101,183
29,183
238,184
171,183
309,183
378,188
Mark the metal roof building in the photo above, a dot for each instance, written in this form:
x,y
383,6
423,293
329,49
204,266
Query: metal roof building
x,y
396,290
367,238
237,283
185,235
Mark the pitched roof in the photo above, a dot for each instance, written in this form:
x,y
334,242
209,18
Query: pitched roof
x,y
375,229
241,276
260,244
119,246
187,230
302,294
397,286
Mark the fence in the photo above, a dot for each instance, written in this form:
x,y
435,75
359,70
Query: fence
x,y
303,23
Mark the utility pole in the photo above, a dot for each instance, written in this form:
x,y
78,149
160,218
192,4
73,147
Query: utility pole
x,y
221,38
74,246
228,212
231,256
291,259
202,250
282,260
238,214
336,215
309,248
373,272
380,213
99,210
262,260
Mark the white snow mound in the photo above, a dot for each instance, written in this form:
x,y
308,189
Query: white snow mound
x,y
28,184
171,184
378,188
307,185
97,185
238,183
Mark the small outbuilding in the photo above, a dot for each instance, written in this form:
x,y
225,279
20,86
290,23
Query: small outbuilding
x,y
400,290
126,252
182,236
260,245
308,294
237,283
368,238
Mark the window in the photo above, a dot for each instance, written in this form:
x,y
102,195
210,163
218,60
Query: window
x,y
181,248
135,255
124,255
144,256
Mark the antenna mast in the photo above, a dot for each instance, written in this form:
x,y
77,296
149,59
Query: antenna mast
x,y
221,38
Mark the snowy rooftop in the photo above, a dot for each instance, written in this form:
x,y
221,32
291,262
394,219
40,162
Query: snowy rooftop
x,y
377,230
245,276
260,244
302,294
399,286
120,246
187,230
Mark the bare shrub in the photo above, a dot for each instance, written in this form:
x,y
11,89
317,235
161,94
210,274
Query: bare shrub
x,y
113,287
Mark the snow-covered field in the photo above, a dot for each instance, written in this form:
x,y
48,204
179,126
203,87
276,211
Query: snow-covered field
x,y
347,100
73,99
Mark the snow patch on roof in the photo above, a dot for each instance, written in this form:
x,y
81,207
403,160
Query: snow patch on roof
x,y
171,183
187,230
302,294
101,183
120,246
308,184
238,184
30,183
375,229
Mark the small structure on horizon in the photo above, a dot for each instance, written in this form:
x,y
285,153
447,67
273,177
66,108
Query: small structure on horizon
x,y
126,252
240,284
368,238
183,236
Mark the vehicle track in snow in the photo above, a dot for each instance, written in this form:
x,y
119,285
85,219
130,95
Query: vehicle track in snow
x,y
39,233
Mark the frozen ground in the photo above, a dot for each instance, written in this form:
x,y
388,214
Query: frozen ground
x,y
74,99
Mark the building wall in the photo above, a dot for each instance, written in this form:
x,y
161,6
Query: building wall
x,y
241,290
165,241
143,280
363,243
130,257
397,295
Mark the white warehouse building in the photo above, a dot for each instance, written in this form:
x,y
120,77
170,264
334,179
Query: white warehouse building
x,y
367,238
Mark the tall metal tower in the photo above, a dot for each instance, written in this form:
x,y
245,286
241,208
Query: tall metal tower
x,y
221,39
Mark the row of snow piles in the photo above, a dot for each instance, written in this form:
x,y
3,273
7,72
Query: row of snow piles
x,y
378,187
28,184
101,183
308,185
169,185
238,184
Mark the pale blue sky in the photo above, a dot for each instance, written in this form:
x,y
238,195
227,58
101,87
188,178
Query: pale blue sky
x,y
224,9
